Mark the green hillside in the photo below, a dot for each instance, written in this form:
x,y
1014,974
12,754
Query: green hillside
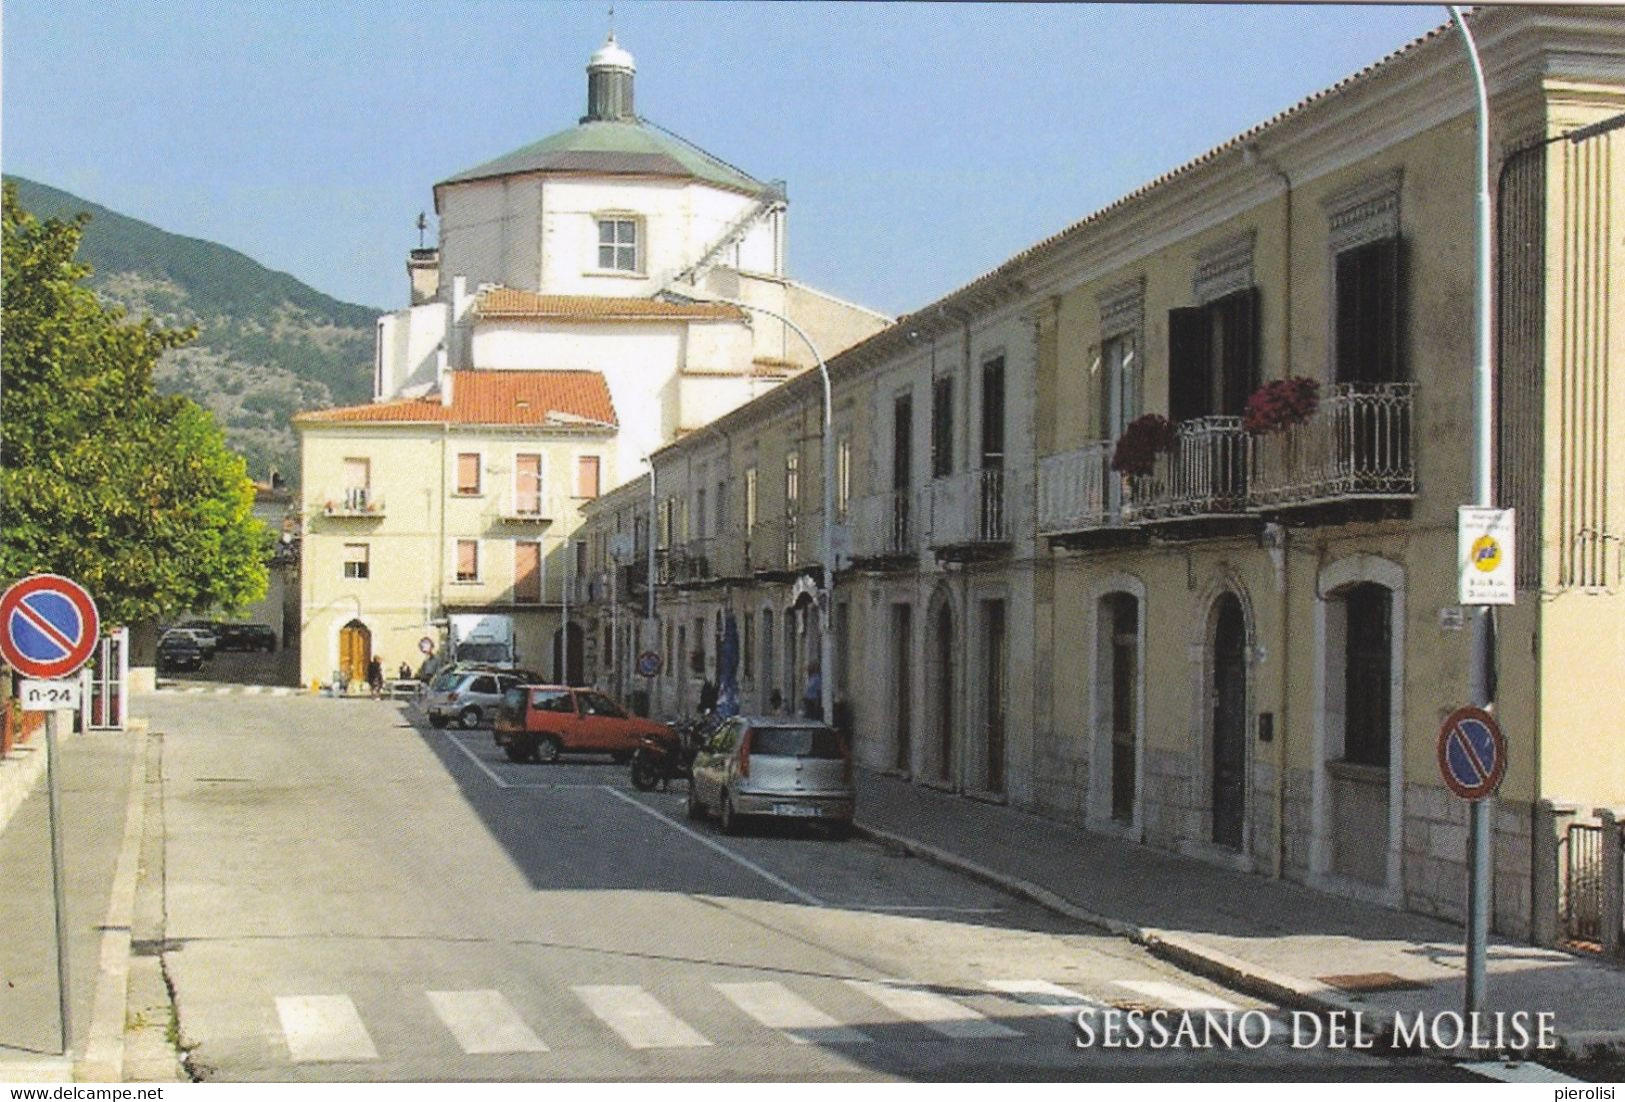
x,y
268,345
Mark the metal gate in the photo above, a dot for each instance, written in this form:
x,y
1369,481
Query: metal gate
x,y
107,683
1583,883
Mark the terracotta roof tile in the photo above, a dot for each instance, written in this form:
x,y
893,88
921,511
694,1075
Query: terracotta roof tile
x,y
506,302
490,397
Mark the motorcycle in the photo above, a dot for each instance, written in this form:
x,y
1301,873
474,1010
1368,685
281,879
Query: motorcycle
x,y
666,758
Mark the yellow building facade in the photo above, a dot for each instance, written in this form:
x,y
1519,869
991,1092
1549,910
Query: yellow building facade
x,y
1153,527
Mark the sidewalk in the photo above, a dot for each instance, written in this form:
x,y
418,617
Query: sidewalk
x,y
1274,939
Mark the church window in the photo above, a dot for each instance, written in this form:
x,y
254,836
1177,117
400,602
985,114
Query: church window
x,y
618,244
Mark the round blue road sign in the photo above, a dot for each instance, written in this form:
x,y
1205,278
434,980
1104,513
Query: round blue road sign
x,y
1472,753
48,626
648,663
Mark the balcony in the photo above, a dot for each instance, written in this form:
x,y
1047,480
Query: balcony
x,y
970,518
357,501
783,547
1080,499
527,509
1199,485
885,531
1355,455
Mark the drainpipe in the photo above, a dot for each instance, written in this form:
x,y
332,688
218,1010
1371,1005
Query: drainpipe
x,y
1251,155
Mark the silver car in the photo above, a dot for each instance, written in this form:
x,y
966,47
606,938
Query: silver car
x,y
773,766
468,697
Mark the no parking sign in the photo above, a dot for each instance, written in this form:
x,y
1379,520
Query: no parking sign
x,y
1472,753
48,626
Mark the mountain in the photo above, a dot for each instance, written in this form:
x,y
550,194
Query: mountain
x,y
267,346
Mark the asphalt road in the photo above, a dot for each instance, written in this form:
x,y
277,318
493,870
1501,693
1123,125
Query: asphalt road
x,y
351,895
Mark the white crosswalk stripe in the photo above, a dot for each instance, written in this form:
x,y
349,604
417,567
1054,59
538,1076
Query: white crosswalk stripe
x,y
323,1029
777,1007
638,1017
1050,997
1180,998
484,1022
936,1012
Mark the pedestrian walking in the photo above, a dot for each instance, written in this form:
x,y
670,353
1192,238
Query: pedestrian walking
x,y
708,697
375,677
775,703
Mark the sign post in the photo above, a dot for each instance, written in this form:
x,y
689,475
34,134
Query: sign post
x,y
1472,755
48,628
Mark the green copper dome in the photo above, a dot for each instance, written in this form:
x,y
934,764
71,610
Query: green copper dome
x,y
630,147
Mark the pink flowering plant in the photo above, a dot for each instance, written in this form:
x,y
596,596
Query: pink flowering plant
x,y
1142,441
1278,405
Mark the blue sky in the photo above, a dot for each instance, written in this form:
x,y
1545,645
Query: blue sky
x,y
922,144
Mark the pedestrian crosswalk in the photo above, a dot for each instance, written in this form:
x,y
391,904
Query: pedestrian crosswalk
x,y
328,1028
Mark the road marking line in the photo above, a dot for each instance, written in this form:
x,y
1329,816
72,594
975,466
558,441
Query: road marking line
x,y
1526,1071
936,1012
486,769
922,908
1180,998
323,1028
638,1017
1051,997
484,1022
805,897
777,1007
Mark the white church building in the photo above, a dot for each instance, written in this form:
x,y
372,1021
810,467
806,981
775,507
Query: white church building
x,y
599,270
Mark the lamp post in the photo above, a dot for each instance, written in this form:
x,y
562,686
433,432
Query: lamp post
x,y
826,637
1479,680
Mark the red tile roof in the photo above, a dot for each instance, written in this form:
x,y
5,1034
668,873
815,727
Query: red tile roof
x,y
490,397
505,302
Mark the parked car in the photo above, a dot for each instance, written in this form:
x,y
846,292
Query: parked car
x,y
249,637
777,766
204,642
541,722
178,650
468,696
206,634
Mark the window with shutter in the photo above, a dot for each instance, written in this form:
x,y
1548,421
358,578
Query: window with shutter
x,y
587,485
902,442
468,472
1368,301
468,560
993,414
1188,360
1367,672
527,478
527,572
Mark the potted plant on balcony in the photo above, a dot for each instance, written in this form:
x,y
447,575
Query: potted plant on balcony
x,y
1146,437
1281,403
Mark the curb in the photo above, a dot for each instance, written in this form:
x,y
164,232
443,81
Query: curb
x,y
1234,972
18,774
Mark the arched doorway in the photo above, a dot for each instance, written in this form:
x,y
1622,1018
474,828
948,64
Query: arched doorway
x,y
1228,693
572,674
355,650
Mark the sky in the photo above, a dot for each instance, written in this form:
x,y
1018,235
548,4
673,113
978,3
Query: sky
x,y
922,144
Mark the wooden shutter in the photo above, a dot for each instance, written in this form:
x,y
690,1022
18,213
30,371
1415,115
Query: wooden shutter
x,y
468,560
527,572
942,427
468,473
1240,353
902,442
1188,386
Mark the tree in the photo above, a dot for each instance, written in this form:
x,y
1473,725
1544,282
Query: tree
x,y
132,493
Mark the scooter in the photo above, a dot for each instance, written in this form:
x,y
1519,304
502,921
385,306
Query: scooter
x,y
665,758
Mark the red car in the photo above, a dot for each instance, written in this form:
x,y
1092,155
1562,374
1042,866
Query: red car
x,y
540,722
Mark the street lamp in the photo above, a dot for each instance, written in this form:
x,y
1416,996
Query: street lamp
x,y
826,596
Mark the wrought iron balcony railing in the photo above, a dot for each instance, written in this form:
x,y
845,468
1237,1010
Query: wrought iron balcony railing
x,y
969,508
357,501
1078,491
884,526
1204,475
1359,443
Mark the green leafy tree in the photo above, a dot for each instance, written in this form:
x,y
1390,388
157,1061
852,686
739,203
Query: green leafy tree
x,y
132,493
